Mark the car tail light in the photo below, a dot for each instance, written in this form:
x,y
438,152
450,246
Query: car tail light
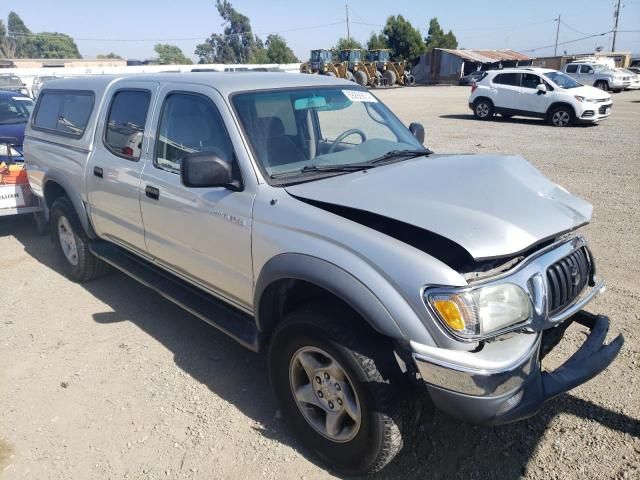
x,y
474,86
128,151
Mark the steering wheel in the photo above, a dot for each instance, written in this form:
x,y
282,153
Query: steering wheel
x,y
345,134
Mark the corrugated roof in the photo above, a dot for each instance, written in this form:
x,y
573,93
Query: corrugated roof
x,y
487,56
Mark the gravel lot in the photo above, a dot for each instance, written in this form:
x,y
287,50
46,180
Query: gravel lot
x,y
108,380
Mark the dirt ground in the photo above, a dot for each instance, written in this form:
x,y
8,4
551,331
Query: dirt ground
x,y
108,380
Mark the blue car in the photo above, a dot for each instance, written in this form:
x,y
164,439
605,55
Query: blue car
x,y
15,194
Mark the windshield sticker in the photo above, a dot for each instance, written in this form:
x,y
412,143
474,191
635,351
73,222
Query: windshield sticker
x,y
359,96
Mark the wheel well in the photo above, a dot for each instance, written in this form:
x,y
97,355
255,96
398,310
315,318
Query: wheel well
x,y
483,98
52,191
286,295
553,106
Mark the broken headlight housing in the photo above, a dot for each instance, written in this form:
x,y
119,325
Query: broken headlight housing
x,y
479,312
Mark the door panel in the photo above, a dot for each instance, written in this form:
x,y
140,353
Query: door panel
x,y
508,95
530,99
113,179
203,234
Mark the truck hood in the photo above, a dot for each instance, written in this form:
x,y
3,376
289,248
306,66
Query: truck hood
x,y
491,206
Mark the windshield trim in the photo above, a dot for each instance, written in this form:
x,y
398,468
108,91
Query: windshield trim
x,y
258,166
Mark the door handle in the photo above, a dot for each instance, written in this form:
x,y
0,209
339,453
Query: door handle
x,y
152,192
97,171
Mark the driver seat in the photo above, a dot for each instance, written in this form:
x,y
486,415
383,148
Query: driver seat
x,y
280,149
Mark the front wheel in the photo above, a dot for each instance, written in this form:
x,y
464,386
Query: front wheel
x,y
602,85
483,109
341,390
561,117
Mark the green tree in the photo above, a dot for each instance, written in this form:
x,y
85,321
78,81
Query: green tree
x,y
7,44
109,55
278,51
171,55
403,39
38,45
236,44
345,44
377,41
436,38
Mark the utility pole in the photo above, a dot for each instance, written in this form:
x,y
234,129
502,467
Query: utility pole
x,y
555,50
348,27
616,14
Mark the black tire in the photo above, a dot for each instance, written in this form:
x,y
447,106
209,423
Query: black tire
x,y
42,226
87,266
391,77
390,409
562,116
350,76
409,79
483,109
602,85
361,78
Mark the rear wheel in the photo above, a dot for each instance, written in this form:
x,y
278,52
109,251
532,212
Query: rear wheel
x,y
342,390
72,243
561,117
483,109
361,78
390,76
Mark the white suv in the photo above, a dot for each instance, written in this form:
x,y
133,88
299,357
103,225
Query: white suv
x,y
538,92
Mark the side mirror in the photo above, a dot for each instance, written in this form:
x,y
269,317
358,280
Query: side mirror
x,y
206,169
417,129
542,89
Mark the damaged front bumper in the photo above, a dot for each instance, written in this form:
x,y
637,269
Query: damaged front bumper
x,y
517,390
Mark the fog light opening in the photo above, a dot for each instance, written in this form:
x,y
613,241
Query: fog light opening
x,y
510,403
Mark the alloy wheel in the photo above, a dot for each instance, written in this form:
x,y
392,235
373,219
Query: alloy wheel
x,y
67,240
325,394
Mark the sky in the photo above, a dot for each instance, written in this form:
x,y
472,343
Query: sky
x,y
131,28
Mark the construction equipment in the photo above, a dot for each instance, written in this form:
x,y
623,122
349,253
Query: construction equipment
x,y
393,72
321,63
364,73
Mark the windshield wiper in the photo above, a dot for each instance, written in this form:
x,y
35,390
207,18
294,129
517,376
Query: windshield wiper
x,y
400,154
347,167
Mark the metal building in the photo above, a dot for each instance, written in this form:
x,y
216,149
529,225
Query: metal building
x,y
444,65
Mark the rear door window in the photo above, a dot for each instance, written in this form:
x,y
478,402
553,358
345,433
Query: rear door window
x,y
126,121
64,112
507,79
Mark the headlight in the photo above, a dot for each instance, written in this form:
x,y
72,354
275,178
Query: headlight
x,y
482,311
6,150
584,99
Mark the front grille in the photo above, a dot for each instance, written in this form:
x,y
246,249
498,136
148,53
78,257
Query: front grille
x,y
567,278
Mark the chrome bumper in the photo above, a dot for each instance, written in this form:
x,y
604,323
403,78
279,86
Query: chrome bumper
x,y
512,394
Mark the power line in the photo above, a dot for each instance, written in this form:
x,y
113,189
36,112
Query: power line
x,y
240,34
568,42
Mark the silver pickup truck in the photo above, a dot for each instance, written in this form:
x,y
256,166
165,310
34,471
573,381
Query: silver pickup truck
x,y
298,215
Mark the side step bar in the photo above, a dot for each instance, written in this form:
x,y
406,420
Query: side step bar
x,y
238,325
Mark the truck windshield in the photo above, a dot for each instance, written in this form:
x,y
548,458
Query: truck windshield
x,y
312,129
562,80
15,110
